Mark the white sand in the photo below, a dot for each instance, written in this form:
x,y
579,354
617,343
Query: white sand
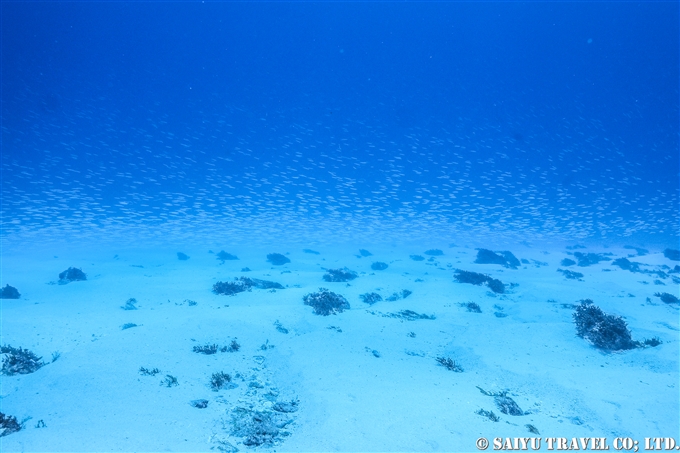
x,y
94,399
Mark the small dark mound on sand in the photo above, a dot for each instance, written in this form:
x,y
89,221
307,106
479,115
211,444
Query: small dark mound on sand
x,y
496,285
326,302
667,298
604,331
507,405
626,264
365,253
640,251
396,296
474,278
417,257
242,284
588,259
371,298
434,252
277,259
199,404
19,361
504,403
219,381
182,256
379,266
224,256
672,254
9,292
72,275
472,307
339,275
230,288
571,274
505,259
478,279
410,315
262,284
8,425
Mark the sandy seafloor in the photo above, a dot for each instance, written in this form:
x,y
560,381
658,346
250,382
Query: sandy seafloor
x,y
93,398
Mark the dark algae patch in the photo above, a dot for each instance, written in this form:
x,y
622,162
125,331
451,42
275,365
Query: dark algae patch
x,y
478,279
505,259
9,292
72,274
326,302
277,259
604,331
339,275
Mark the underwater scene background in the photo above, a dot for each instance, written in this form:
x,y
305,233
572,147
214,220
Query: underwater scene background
x,y
338,226
340,121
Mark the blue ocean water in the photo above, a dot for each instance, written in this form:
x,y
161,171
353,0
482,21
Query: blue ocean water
x,y
498,182
340,121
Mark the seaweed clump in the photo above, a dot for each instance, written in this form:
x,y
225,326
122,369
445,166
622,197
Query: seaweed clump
x,y
261,284
72,274
488,414
604,331
639,250
339,275
147,372
472,307
224,256
326,302
449,364
410,315
219,381
672,254
199,404
496,285
9,292
379,266
19,361
207,349
478,279
234,346
504,403
170,381
242,284
505,259
587,259
396,296
571,274
667,298
474,278
434,252
8,425
277,259
230,288
371,298
626,264
652,342
507,405
130,304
